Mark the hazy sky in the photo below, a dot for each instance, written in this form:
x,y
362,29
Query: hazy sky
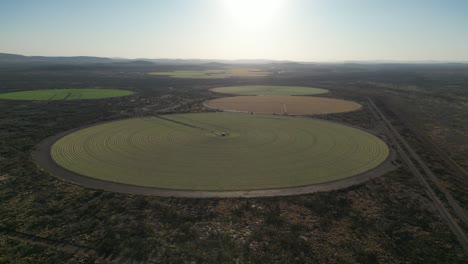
x,y
304,30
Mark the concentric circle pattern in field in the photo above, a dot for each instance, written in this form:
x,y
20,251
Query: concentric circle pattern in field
x,y
269,90
65,94
290,105
219,151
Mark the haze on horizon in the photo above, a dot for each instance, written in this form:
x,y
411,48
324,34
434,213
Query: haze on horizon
x,y
300,30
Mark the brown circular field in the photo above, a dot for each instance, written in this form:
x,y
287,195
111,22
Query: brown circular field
x,y
290,105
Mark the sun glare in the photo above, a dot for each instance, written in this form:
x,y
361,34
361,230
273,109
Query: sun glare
x,y
253,13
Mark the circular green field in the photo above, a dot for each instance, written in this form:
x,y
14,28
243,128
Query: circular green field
x,y
219,151
269,90
65,94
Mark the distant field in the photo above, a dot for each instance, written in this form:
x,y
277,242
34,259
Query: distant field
x,y
65,94
291,105
269,90
215,74
219,151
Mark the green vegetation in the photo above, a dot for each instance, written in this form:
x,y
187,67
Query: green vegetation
x,y
65,94
269,90
219,151
215,74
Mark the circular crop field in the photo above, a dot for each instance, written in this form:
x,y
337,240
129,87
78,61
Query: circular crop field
x,y
212,152
269,90
215,74
65,94
290,105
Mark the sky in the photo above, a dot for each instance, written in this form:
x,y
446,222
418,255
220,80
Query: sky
x,y
298,30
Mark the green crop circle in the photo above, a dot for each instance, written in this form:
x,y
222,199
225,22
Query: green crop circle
x,y
219,151
65,94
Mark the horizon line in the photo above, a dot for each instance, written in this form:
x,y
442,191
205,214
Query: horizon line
x,y
258,59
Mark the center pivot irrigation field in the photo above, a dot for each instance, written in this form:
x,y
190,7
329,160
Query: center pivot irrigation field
x,y
218,152
290,105
215,74
65,94
269,90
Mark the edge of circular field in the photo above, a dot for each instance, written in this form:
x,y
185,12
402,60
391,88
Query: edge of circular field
x,y
41,156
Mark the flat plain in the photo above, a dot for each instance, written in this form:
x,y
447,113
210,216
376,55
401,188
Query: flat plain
x,y
386,219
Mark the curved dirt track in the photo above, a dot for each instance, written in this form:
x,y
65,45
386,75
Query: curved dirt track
x,y
43,159
287,105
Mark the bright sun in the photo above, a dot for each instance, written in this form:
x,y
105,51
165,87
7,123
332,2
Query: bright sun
x,y
253,13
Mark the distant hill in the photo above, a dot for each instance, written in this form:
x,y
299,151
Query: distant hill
x,y
14,58
175,61
8,59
